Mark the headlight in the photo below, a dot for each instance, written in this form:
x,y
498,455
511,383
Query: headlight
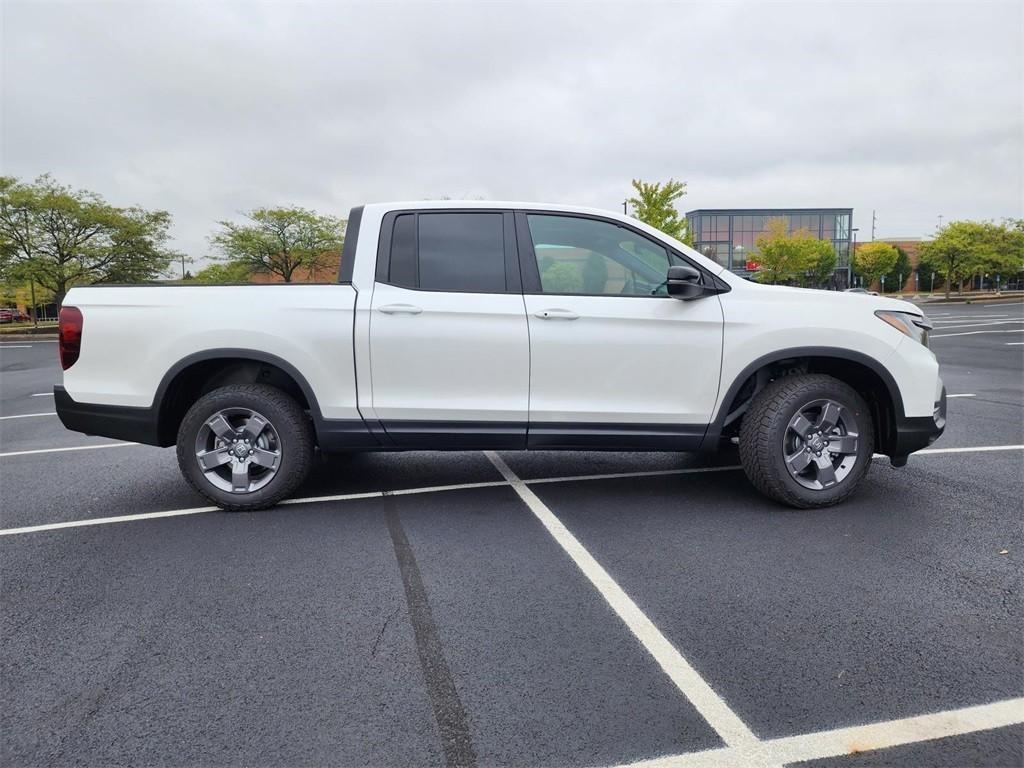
x,y
914,326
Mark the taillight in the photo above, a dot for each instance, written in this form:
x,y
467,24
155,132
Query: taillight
x,y
70,332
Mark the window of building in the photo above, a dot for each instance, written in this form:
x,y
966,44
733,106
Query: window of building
x,y
596,258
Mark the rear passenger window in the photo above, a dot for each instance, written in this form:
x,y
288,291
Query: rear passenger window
x,y
403,252
449,252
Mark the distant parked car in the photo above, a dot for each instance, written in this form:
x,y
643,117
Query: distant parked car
x,y
861,290
11,315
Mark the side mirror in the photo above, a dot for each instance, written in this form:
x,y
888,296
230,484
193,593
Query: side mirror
x,y
684,283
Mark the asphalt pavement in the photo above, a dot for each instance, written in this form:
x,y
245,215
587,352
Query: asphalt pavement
x,y
528,613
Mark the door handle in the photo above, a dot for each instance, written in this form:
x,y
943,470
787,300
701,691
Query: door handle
x,y
556,314
399,309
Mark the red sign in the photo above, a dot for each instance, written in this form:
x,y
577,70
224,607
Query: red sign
x,y
752,266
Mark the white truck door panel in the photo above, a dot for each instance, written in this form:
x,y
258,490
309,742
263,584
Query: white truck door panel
x,y
449,341
441,356
623,359
610,351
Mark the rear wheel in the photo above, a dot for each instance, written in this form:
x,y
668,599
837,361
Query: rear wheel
x,y
245,446
807,441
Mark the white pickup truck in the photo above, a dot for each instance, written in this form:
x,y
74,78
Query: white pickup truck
x,y
505,326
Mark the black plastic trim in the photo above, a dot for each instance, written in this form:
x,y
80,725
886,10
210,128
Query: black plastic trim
x,y
917,432
457,435
615,437
332,434
348,250
120,422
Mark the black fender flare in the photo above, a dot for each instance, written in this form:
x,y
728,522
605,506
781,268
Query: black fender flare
x,y
714,431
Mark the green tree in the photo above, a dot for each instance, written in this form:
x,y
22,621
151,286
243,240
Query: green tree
x,y
786,256
62,237
654,204
963,249
897,277
280,240
874,259
223,274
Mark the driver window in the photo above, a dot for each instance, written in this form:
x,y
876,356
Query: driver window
x,y
595,258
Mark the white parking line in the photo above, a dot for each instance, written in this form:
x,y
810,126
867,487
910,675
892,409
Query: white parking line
x,y
973,333
28,415
853,740
963,395
71,448
1014,343
15,346
712,707
413,491
42,394
989,324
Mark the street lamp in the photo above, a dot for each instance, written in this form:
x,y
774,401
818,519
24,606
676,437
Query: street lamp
x,y
853,253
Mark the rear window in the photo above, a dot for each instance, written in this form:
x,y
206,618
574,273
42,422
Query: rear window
x,y
461,252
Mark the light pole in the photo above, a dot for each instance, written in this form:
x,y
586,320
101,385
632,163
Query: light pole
x,y
853,253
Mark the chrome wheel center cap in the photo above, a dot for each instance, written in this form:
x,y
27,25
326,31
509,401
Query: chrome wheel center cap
x,y
241,449
815,442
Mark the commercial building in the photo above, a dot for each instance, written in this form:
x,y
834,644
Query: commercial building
x,y
729,235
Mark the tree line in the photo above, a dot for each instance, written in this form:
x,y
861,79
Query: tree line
x,y
53,237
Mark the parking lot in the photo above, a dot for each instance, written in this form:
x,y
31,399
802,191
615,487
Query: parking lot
x,y
557,609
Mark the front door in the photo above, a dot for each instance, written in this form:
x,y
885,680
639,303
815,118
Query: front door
x,y
614,360
450,350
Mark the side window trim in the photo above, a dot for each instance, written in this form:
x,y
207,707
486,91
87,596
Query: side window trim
x,y
528,256
513,276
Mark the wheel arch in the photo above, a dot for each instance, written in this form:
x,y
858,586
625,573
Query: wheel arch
x,y
195,374
866,374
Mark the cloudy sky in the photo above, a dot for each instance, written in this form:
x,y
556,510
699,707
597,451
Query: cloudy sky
x,y
206,109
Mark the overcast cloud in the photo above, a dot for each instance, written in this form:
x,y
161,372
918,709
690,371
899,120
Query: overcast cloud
x,y
204,110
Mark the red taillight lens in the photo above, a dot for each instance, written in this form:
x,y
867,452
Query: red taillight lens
x,y
70,332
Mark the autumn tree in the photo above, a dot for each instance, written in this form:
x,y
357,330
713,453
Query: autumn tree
x,y
61,237
785,256
654,204
874,259
281,240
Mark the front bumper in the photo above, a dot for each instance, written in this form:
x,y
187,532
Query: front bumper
x,y
138,425
913,434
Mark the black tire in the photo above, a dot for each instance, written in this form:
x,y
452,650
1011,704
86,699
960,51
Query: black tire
x,y
766,428
292,436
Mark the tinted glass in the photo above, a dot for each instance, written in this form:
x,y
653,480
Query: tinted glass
x,y
403,252
596,258
461,252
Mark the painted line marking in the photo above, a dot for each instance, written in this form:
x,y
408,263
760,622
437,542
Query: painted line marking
x,y
711,706
989,324
28,415
1014,343
975,449
964,395
973,333
15,346
852,740
414,491
42,394
71,448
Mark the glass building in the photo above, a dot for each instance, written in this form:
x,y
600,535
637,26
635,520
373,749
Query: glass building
x,y
729,235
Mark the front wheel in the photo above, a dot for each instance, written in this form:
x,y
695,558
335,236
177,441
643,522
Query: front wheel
x,y
807,441
245,447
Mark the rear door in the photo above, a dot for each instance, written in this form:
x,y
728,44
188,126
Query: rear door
x,y
449,341
615,361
